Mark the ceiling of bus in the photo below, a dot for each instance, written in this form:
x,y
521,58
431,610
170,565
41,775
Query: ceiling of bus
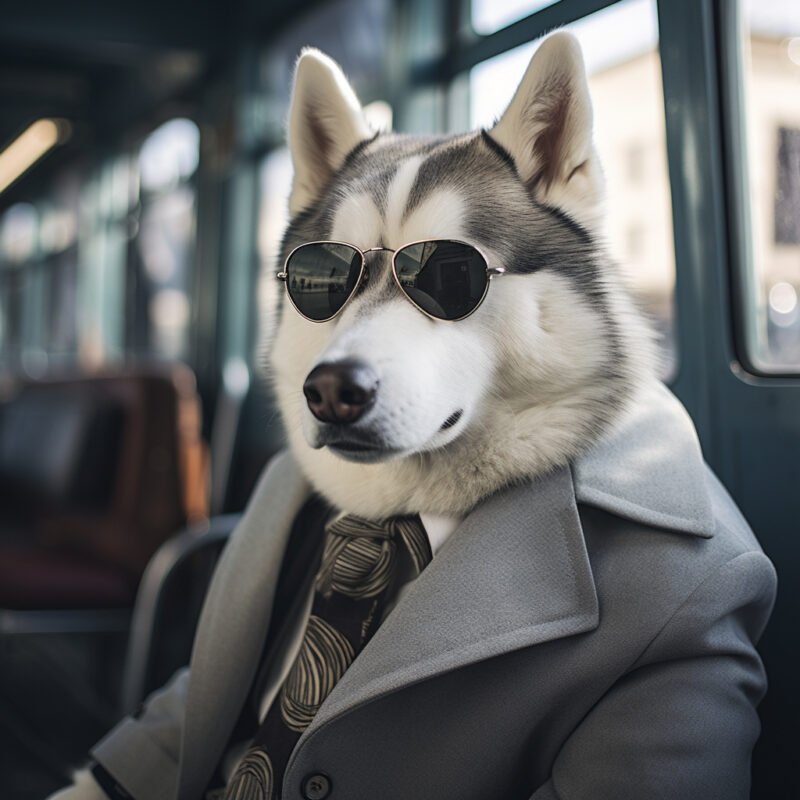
x,y
103,66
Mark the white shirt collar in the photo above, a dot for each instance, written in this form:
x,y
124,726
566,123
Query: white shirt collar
x,y
438,529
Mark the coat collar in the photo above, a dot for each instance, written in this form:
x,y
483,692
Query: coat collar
x,y
649,468
514,573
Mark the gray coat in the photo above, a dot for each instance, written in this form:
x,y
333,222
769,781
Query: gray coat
x,y
587,635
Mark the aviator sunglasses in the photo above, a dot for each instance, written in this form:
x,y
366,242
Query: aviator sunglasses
x,y
445,279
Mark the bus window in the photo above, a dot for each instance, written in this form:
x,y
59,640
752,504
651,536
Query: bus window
x,y
167,161
770,41
620,46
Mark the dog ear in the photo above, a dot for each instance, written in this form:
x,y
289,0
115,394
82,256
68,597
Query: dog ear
x,y
547,129
325,124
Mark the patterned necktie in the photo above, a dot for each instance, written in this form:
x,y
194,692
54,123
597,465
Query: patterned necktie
x,y
359,566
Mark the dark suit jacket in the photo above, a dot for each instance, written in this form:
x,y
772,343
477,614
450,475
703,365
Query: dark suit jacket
x,y
590,634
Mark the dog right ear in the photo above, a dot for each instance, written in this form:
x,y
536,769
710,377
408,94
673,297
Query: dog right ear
x,y
325,123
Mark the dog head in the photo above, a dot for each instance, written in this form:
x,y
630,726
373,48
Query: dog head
x,y
389,411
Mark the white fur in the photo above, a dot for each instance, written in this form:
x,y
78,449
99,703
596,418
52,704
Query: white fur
x,y
528,368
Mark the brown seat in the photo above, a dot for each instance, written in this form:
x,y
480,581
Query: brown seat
x,y
96,471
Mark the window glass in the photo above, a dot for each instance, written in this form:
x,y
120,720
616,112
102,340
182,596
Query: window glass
x,y
489,16
19,227
23,313
354,33
160,306
18,233
620,46
164,244
102,257
169,155
771,49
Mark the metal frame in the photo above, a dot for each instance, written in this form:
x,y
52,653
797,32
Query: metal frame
x,y
149,598
749,424
463,54
738,195
491,272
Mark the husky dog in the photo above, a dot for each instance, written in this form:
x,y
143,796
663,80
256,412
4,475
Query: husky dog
x,y
541,369
461,329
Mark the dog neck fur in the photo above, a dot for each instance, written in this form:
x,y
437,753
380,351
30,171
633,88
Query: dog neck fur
x,y
542,369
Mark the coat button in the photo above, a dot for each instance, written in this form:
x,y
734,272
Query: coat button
x,y
316,787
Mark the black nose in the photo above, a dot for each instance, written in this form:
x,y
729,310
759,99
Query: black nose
x,y
340,392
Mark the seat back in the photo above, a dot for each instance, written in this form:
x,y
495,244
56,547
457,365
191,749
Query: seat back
x,y
99,470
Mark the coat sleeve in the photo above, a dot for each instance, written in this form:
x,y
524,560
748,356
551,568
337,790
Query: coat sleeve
x,y
141,753
682,722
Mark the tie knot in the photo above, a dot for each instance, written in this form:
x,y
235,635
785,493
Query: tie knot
x,y
353,527
359,556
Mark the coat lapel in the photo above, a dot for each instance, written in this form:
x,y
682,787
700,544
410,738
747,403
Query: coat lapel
x,y
233,626
514,574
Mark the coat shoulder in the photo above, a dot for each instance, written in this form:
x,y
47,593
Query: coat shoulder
x,y
645,575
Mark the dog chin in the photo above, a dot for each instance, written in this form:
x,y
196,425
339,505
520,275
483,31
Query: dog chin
x,y
369,455
363,448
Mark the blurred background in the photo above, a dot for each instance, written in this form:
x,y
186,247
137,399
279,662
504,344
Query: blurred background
x,y
143,186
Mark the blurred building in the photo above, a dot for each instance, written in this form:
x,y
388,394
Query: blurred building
x,y
630,137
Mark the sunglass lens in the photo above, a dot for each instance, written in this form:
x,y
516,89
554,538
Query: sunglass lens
x,y
445,279
321,276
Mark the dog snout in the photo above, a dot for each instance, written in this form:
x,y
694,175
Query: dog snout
x,y
340,392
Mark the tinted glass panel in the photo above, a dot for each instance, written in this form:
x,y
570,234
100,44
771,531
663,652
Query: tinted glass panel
x,y
445,279
321,277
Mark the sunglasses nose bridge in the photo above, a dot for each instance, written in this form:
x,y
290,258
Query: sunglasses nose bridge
x,y
370,257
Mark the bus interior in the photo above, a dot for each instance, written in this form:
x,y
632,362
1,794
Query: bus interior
x,y
143,189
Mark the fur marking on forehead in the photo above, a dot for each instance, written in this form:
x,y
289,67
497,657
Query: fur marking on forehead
x,y
397,198
360,219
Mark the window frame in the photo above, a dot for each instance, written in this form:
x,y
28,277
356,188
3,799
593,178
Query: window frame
x,y
744,288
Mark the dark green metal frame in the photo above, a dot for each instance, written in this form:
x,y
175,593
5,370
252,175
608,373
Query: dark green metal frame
x,y
749,423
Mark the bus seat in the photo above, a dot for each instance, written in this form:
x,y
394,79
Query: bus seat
x,y
96,472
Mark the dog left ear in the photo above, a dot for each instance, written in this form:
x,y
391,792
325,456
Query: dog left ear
x,y
325,123
547,129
